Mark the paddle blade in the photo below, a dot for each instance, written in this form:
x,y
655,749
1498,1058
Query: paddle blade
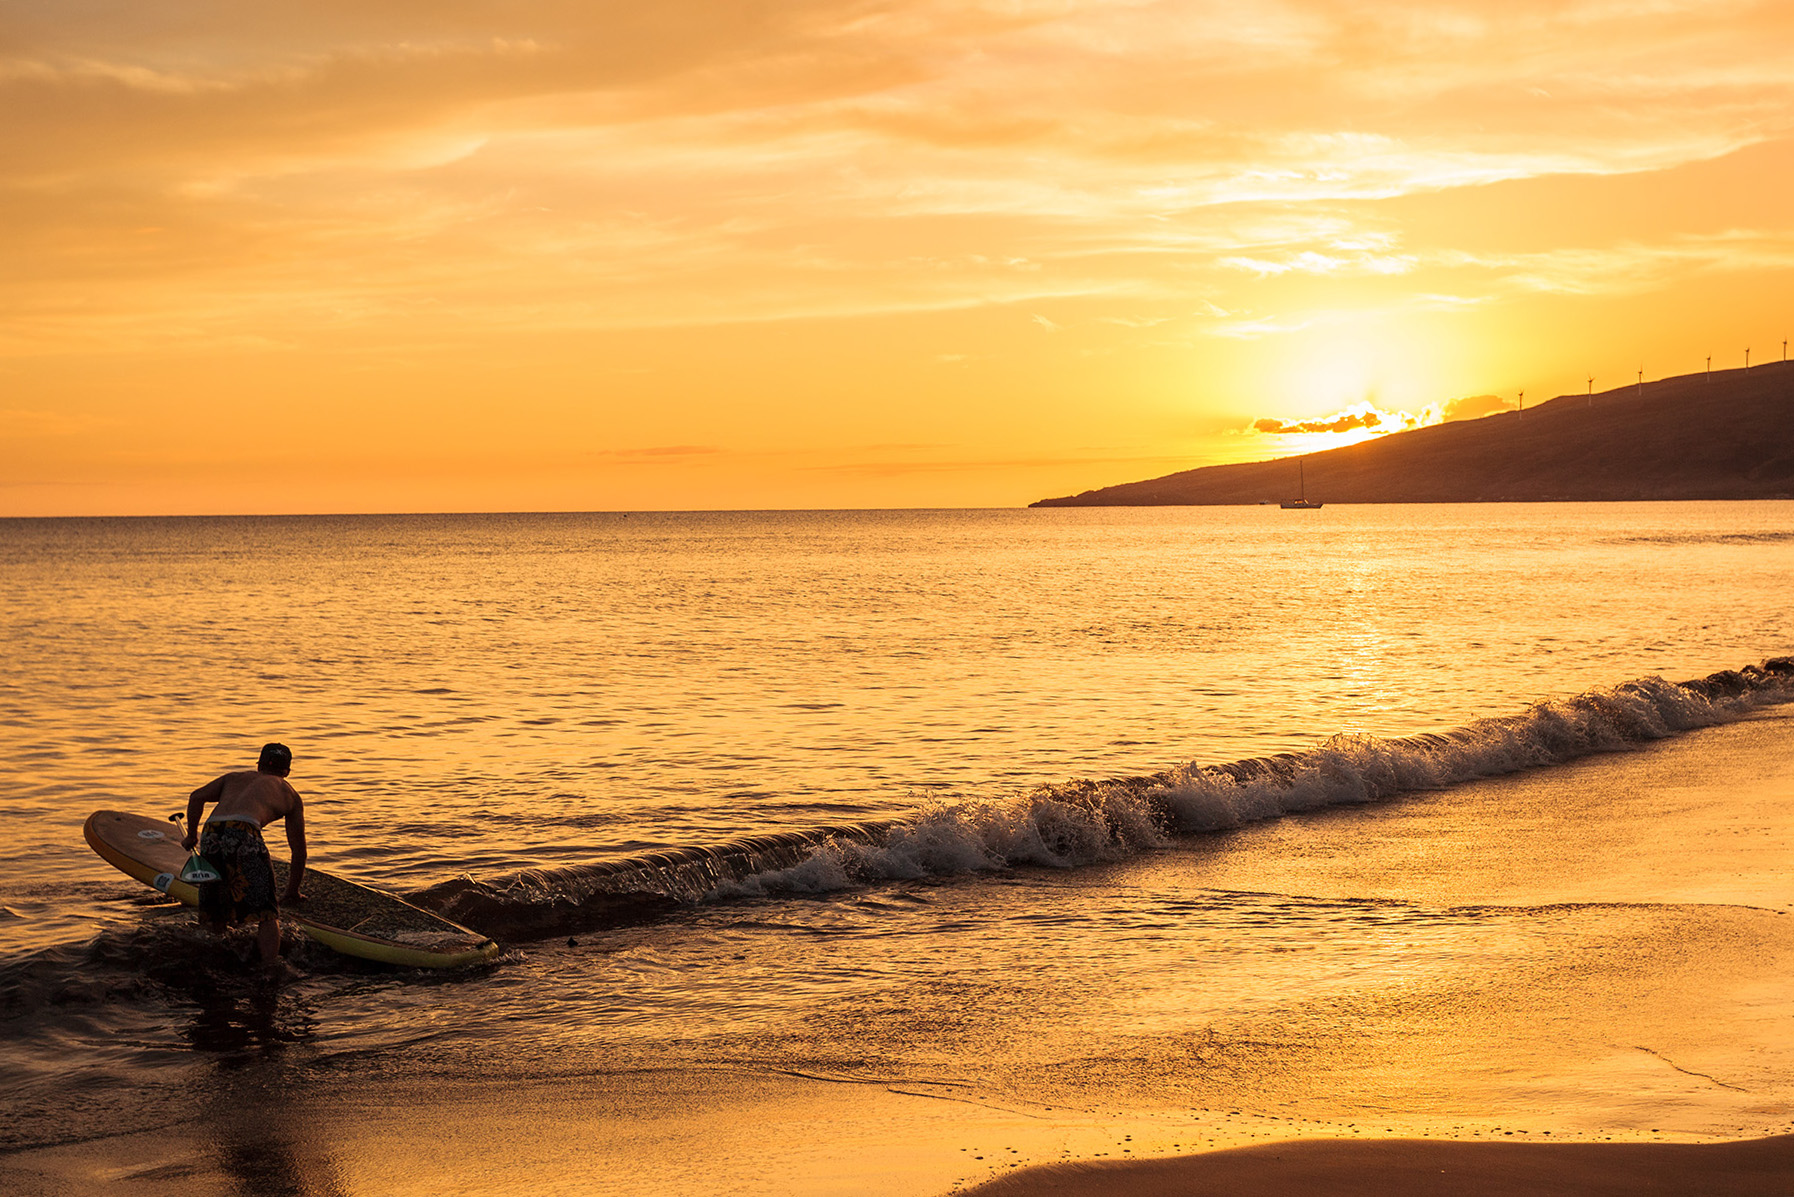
x,y
197,870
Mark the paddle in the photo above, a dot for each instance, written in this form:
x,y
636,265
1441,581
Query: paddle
x,y
198,869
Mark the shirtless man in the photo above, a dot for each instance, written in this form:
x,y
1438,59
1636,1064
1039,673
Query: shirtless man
x,y
232,843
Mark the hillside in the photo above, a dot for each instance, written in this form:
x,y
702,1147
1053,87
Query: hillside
x,y
1725,436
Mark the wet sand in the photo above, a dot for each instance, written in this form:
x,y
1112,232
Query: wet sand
x,y
762,1134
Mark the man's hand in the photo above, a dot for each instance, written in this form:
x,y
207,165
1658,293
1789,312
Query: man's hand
x,y
190,839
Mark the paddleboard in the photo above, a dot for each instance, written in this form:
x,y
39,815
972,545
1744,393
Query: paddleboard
x,y
353,919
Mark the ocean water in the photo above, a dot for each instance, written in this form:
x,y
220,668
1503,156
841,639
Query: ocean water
x,y
1056,748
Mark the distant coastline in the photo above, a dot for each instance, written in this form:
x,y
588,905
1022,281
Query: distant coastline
x,y
1724,435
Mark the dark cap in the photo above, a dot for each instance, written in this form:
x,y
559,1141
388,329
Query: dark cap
x,y
275,757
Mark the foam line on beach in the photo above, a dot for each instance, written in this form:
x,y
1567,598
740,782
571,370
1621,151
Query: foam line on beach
x,y
1084,822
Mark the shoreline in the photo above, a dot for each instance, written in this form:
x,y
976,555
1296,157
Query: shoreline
x,y
1596,952
1378,1167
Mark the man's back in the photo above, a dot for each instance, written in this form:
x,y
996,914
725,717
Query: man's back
x,y
263,797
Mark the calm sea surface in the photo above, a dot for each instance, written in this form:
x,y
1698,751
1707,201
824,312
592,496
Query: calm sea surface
x,y
479,695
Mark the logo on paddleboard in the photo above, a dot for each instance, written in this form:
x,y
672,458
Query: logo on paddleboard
x,y
151,835
163,881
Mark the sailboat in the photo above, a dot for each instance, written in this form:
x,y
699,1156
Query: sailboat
x,y
1302,502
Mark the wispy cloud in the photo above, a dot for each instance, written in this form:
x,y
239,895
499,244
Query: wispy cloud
x,y
1310,261
1632,266
656,454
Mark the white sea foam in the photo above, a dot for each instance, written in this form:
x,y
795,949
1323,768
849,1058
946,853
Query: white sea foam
x,y
1086,822
1044,827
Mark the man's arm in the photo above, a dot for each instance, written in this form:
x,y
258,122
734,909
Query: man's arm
x,y
296,845
212,791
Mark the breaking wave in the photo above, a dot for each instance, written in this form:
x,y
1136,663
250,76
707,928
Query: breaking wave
x,y
1088,821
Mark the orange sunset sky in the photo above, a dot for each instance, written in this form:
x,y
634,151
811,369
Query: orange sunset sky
x,y
392,256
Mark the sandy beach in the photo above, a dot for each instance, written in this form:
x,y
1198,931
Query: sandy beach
x,y
1399,1168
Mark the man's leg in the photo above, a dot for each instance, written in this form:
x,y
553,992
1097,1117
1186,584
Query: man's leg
x,y
267,935
211,916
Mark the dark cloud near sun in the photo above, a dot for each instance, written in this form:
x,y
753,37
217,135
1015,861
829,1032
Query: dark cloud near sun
x,y
1373,419
1344,422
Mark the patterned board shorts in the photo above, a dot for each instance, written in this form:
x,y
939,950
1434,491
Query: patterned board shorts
x,y
245,887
